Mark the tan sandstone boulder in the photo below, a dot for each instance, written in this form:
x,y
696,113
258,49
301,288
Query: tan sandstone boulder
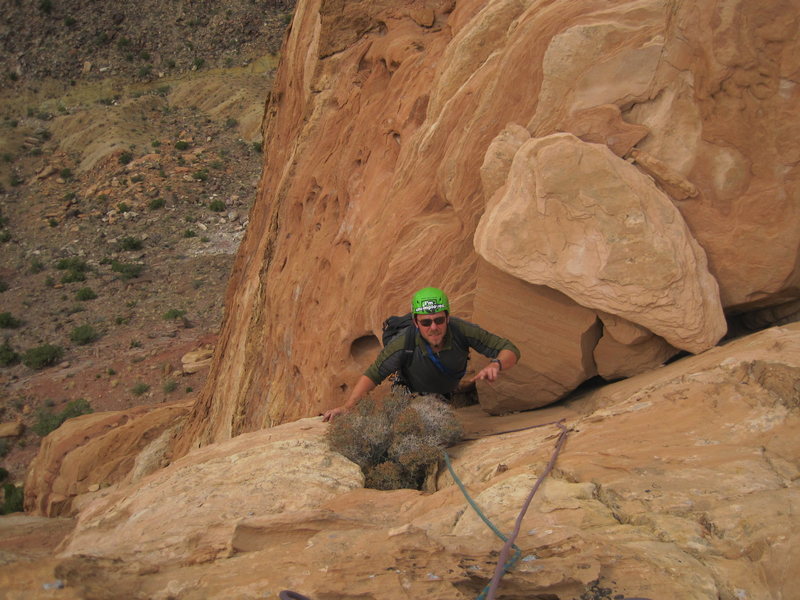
x,y
187,512
574,217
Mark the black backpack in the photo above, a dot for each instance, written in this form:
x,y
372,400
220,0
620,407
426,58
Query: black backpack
x,y
394,326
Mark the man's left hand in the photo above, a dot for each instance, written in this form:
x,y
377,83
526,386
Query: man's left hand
x,y
488,373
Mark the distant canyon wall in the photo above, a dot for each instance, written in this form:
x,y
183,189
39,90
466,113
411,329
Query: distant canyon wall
x,y
600,181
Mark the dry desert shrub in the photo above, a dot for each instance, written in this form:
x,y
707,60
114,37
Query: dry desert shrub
x,y
395,440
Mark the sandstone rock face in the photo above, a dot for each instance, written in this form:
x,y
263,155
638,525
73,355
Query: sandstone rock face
x,y
627,349
554,341
384,128
254,475
97,450
576,218
679,483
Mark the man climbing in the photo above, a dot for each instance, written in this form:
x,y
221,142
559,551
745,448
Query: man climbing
x,y
435,360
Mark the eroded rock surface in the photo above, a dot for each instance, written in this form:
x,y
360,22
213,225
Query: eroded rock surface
x,y
576,218
679,483
91,452
383,155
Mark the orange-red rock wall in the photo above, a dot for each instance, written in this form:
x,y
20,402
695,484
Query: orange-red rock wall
x,y
379,123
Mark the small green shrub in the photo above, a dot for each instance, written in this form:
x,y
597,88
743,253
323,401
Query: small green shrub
x,y
37,266
3,286
65,173
257,147
199,63
5,236
8,357
396,440
84,334
125,158
173,313
123,207
140,388
47,422
76,408
131,243
13,499
42,356
72,263
169,386
127,270
73,276
156,203
181,145
217,205
189,233
75,269
8,321
85,294
230,123
46,6
201,175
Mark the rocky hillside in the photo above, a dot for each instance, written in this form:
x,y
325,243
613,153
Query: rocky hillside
x,y
123,198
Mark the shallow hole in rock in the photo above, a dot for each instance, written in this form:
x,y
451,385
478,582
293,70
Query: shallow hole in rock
x,y
364,349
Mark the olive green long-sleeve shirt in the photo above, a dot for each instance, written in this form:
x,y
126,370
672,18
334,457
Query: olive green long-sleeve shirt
x,y
422,374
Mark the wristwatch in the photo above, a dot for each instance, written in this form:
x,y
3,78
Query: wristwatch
x,y
499,364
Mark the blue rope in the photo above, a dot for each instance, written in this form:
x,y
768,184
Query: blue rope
x,y
517,552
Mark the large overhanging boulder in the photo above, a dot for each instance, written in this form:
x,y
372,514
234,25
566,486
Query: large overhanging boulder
x,y
575,217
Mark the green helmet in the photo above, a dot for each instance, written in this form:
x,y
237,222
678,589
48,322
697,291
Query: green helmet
x,y
429,300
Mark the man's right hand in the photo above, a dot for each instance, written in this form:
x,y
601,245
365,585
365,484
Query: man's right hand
x,y
330,415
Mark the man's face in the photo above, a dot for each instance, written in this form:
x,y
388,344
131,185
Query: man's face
x,y
430,330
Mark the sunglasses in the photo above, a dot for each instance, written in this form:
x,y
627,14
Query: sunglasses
x,y
428,322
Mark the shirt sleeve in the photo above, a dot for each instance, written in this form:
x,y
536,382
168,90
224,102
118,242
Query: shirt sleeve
x,y
389,360
485,342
